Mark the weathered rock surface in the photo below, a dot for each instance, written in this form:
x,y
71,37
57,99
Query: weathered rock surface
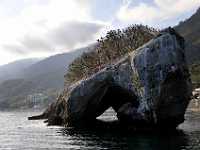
x,y
149,87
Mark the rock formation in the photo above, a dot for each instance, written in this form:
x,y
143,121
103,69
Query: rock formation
x,y
149,87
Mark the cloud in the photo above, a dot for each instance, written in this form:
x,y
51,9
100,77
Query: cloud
x,y
47,26
32,28
156,13
32,43
65,36
70,34
15,49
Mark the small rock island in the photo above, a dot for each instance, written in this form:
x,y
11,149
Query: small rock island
x,y
149,87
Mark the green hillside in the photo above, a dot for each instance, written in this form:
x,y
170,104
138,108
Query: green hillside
x,y
190,30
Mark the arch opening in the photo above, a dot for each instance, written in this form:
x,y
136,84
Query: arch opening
x,y
113,99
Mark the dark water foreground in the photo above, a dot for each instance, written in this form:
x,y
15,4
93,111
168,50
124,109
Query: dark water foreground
x,y
16,132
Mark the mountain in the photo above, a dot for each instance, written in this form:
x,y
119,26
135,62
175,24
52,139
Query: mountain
x,y
13,70
190,30
40,79
49,73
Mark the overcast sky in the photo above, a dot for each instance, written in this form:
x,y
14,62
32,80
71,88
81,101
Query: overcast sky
x,y
38,28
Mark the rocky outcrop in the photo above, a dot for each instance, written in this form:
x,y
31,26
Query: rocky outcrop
x,y
149,87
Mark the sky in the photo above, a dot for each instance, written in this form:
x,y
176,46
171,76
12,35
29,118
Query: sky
x,y
40,28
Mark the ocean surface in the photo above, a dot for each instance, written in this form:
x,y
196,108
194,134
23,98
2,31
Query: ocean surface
x,y
17,133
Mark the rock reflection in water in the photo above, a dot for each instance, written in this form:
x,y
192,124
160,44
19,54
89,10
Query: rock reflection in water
x,y
109,136
119,139
17,133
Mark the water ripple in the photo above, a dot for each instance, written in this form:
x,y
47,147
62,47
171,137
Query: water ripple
x,y
17,133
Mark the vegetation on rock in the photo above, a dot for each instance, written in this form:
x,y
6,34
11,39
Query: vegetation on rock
x,y
108,50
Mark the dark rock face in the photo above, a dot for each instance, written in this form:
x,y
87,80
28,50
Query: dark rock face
x,y
150,87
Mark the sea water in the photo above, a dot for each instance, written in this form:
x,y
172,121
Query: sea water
x,y
17,133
